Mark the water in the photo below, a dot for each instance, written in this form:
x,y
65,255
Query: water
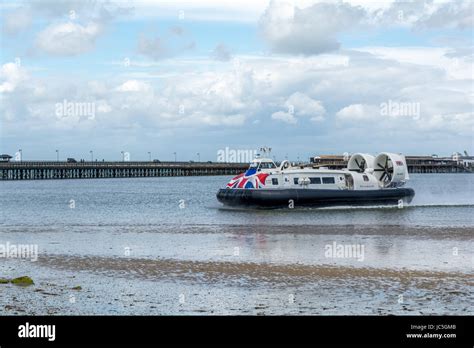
x,y
166,246
440,200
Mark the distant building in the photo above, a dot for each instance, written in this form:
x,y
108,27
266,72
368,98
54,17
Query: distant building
x,y
465,160
429,160
5,158
328,159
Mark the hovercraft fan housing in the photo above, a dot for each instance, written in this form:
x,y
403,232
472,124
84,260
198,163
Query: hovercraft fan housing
x,y
390,169
359,162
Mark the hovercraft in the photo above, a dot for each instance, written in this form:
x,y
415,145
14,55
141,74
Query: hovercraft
x,y
367,180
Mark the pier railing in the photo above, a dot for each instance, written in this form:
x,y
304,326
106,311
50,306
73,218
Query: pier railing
x,y
40,170
37,170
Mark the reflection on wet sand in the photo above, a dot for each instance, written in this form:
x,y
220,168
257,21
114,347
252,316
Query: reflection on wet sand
x,y
210,272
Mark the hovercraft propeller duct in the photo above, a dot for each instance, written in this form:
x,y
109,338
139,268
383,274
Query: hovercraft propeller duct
x,y
390,169
386,169
359,162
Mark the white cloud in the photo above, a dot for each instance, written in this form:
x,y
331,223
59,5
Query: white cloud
x,y
358,112
11,74
296,28
430,14
456,67
306,106
68,39
262,88
300,105
285,117
134,86
310,30
204,10
452,14
103,106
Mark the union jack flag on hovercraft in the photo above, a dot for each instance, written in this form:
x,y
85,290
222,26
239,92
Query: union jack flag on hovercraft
x,y
249,179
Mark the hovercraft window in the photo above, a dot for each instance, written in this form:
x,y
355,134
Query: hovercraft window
x,y
274,181
295,180
366,178
267,165
329,181
315,180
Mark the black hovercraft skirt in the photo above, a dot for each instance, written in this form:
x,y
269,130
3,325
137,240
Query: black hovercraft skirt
x,y
313,197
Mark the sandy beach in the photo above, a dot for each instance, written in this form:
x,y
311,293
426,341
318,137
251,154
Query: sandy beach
x,y
246,284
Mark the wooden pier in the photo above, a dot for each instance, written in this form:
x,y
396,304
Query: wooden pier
x,y
41,170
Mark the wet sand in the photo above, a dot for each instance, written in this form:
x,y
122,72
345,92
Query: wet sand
x,y
278,270
214,272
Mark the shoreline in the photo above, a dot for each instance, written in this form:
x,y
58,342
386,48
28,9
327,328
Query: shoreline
x,y
88,285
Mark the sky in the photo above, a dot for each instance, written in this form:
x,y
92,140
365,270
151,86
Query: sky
x,y
154,78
